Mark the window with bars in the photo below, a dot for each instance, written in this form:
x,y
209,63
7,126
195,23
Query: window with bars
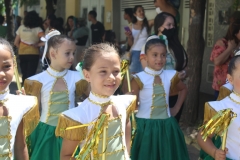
x,y
147,4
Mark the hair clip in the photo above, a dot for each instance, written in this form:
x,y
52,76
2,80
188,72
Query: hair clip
x,y
79,69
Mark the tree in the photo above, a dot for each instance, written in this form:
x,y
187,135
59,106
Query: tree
x,y
50,6
195,52
9,16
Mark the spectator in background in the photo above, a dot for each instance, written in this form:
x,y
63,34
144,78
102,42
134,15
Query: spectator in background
x,y
25,13
80,35
50,18
97,28
222,53
28,35
137,37
69,25
57,24
3,29
169,7
128,15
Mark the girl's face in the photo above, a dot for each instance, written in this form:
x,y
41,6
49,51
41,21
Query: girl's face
x,y
234,79
104,75
63,55
140,13
70,22
6,68
168,24
156,57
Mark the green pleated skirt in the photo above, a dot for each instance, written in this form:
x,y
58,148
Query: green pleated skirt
x,y
43,144
217,142
158,139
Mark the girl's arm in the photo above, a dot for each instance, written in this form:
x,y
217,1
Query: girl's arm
x,y
20,146
128,132
221,58
135,89
68,147
182,92
151,23
210,148
17,41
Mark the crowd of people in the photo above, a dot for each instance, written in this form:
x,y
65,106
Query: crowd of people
x,y
82,107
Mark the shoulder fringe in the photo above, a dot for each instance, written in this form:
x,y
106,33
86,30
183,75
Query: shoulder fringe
x,y
32,87
139,82
76,134
31,119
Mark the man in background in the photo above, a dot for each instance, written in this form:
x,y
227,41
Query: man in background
x,y
97,28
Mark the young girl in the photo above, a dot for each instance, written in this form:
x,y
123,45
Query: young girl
x,y
225,91
232,101
55,89
158,136
101,68
19,115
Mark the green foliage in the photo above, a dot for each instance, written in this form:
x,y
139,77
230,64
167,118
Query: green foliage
x,y
235,5
2,7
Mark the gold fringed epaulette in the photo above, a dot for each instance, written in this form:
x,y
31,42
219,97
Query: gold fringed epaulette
x,y
209,112
31,119
82,87
138,81
77,134
174,81
131,108
223,93
32,87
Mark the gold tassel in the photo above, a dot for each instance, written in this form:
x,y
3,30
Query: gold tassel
x,y
78,134
218,125
82,87
32,87
31,119
16,74
92,140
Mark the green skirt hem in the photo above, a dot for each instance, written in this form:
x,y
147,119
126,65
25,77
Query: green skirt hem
x,y
158,139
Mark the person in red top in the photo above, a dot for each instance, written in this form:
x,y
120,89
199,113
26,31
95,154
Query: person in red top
x,y
222,53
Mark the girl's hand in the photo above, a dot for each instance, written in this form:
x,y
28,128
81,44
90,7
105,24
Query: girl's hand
x,y
182,75
220,154
128,34
129,93
21,92
232,45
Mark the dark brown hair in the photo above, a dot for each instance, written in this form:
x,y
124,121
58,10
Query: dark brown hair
x,y
91,52
173,43
233,29
57,40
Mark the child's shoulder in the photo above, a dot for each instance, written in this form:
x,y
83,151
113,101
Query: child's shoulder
x,y
38,77
79,113
74,75
22,102
124,100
